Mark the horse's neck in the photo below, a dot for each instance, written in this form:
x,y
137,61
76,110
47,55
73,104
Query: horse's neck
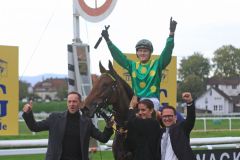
x,y
122,112
122,104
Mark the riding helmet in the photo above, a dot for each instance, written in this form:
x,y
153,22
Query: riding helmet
x,y
144,43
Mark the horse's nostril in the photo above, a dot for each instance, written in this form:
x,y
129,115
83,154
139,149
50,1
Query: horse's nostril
x,y
91,116
86,111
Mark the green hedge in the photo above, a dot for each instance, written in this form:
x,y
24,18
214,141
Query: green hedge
x,y
47,106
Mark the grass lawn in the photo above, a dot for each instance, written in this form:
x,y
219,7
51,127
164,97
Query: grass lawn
x,y
25,133
106,155
217,124
24,157
233,133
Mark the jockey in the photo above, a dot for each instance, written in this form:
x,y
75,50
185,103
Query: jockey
x,y
146,73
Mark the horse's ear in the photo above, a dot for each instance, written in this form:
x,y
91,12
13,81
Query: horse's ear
x,y
110,66
102,69
112,70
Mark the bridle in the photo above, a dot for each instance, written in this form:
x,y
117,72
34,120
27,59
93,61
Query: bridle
x,y
103,108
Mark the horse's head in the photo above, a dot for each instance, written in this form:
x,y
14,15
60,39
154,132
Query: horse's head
x,y
110,89
103,92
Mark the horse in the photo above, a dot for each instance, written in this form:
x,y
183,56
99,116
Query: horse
x,y
111,90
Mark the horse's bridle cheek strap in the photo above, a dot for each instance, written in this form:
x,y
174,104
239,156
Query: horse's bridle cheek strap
x,y
110,92
108,99
114,91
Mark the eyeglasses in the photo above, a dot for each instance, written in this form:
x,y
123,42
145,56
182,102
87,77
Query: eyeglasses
x,y
170,117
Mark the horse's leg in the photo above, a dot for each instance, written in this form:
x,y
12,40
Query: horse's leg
x,y
114,148
118,148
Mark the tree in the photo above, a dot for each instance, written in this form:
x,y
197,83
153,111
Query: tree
x,y
195,64
193,84
62,92
23,89
193,73
226,61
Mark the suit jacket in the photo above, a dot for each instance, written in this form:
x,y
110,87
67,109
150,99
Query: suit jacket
x,y
56,124
180,136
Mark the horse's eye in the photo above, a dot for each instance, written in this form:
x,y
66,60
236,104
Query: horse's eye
x,y
105,86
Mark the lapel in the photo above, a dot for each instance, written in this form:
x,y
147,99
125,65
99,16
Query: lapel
x,y
162,131
83,127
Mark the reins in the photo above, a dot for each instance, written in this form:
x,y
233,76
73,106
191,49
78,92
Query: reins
x,y
103,107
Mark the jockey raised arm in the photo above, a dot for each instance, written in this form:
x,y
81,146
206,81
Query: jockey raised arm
x,y
145,73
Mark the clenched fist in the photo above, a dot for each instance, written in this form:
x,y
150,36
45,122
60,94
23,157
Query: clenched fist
x,y
187,97
27,107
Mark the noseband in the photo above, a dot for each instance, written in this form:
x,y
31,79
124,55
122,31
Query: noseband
x,y
103,107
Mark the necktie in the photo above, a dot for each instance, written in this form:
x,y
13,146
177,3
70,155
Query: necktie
x,y
164,144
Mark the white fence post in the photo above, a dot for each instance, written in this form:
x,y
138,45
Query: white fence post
x,y
205,124
230,124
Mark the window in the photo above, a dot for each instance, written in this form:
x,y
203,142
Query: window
x,y
234,86
220,107
206,100
215,107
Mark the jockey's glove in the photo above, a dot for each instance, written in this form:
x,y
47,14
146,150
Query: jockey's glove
x,y
173,25
105,35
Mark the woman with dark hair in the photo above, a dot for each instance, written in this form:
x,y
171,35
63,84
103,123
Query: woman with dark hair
x,y
143,130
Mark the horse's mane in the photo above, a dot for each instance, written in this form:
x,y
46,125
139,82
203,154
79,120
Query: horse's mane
x,y
126,86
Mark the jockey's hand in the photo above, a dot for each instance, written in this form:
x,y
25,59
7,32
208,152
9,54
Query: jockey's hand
x,y
187,97
173,25
105,35
134,102
27,107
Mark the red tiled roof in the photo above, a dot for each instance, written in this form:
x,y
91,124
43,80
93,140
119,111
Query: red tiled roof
x,y
51,84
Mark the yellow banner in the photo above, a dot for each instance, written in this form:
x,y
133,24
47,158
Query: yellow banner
x,y
168,85
9,90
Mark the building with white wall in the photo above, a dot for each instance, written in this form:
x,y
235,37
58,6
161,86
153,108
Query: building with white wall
x,y
222,96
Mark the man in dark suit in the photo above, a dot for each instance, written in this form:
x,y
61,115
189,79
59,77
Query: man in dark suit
x,y
69,131
175,141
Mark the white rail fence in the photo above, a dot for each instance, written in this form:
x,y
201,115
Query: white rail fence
x,y
205,122
196,143
218,121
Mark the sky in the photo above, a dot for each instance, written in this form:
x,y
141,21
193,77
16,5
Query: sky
x,y
43,28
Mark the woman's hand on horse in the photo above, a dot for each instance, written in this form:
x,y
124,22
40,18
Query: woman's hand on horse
x,y
134,102
158,115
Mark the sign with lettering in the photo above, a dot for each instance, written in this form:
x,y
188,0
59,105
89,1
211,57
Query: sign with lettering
x,y
8,90
168,86
218,154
